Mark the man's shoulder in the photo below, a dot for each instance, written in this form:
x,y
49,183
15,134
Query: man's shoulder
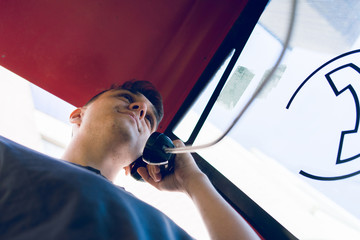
x,y
54,194
19,161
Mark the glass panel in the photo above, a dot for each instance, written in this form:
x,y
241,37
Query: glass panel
x,y
190,119
52,149
51,105
295,151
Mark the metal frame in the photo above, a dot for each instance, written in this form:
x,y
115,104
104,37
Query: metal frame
x,y
260,220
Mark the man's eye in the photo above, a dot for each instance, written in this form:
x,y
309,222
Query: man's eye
x,y
127,97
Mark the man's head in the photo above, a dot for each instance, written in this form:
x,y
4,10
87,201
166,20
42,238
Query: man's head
x,y
145,88
113,126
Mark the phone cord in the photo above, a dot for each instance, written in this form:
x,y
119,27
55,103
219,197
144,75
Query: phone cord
x,y
254,95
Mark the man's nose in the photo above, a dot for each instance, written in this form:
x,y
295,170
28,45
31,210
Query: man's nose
x,y
139,108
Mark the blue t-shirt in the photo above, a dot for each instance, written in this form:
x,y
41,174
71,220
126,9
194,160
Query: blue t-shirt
x,y
45,198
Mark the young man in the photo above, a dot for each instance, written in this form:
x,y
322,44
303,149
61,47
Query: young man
x,y
109,133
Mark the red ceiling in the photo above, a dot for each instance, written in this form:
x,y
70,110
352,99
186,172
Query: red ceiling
x,y
74,48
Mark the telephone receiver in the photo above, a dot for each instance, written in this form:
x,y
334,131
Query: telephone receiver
x,y
154,154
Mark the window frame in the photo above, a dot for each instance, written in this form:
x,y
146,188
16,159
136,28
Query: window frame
x,y
236,39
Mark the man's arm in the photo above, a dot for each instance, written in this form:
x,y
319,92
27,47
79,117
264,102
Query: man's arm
x,y
221,220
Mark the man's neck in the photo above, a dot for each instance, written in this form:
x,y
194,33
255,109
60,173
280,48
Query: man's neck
x,y
101,156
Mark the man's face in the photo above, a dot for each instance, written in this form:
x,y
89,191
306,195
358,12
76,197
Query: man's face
x,y
122,117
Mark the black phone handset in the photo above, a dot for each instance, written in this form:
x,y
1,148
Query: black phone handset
x,y
154,154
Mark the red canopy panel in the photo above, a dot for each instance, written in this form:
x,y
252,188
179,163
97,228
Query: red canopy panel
x,y
75,48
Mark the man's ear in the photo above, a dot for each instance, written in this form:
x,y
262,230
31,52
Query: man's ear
x,y
76,116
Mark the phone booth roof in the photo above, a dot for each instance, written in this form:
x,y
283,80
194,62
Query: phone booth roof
x,y
75,49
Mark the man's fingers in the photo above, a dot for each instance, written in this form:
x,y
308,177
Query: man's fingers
x,y
144,174
154,172
178,143
151,174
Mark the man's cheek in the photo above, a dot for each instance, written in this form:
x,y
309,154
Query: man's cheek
x,y
143,143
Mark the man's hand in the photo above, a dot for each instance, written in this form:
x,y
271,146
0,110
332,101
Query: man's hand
x,y
222,221
185,169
